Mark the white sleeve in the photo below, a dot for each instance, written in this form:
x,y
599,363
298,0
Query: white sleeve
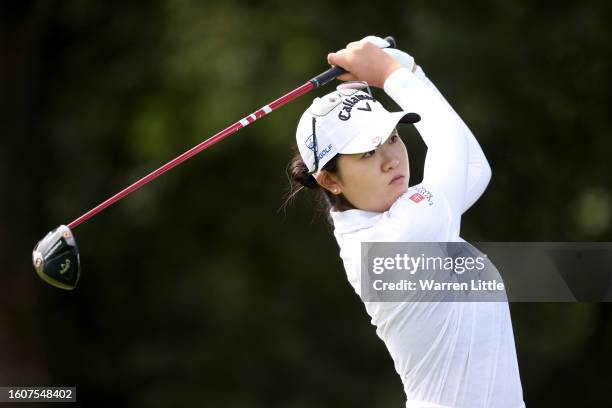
x,y
443,132
421,214
479,170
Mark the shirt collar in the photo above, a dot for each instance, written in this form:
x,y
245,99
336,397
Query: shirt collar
x,y
352,220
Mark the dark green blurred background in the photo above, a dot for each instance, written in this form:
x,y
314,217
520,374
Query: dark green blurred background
x,y
197,290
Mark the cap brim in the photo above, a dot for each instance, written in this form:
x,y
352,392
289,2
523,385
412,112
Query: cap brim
x,y
378,132
410,118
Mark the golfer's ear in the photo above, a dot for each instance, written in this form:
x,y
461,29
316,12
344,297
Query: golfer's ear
x,y
328,181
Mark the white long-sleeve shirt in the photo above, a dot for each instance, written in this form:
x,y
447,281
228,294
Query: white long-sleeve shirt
x,y
448,354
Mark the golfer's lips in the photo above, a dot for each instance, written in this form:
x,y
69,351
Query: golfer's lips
x,y
397,179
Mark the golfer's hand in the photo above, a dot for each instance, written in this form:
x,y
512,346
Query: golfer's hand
x,y
364,61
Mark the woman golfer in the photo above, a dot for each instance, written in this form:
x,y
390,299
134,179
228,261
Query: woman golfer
x,y
448,354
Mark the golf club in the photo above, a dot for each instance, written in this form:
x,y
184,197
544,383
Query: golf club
x,y
56,257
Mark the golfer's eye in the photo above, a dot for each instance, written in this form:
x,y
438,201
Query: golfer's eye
x,y
393,139
368,154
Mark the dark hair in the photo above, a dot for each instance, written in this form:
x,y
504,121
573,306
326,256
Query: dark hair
x,y
299,177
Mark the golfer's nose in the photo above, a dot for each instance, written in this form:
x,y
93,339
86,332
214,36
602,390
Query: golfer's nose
x,y
390,161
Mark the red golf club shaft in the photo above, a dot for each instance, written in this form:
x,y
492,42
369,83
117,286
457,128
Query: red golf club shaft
x,y
314,83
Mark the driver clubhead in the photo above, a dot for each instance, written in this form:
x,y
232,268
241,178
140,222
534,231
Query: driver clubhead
x,y
56,258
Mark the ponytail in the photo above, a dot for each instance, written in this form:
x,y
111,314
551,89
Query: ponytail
x,y
299,178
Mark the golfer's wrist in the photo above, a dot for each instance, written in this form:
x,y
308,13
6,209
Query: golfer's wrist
x,y
398,79
388,72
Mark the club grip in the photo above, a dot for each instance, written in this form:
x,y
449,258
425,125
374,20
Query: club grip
x,y
335,72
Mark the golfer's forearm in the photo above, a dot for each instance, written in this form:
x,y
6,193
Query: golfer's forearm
x,y
442,131
479,170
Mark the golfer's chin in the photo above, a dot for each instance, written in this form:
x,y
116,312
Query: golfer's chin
x,y
398,190
392,197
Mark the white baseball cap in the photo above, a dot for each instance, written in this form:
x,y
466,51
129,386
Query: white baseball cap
x,y
345,121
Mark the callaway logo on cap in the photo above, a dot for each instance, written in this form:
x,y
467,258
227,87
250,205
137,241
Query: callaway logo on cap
x,y
345,121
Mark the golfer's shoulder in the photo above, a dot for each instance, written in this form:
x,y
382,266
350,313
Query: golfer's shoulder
x,y
420,214
419,200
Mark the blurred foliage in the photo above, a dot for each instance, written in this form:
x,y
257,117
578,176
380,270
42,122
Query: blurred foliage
x,y
197,290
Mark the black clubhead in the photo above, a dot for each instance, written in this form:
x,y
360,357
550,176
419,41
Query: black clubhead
x,y
56,258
